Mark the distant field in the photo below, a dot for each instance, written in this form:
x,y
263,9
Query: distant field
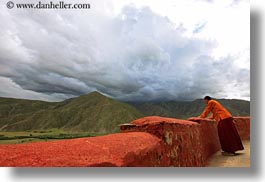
x,y
40,135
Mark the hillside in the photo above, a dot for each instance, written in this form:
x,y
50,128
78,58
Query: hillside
x,y
186,109
88,113
96,113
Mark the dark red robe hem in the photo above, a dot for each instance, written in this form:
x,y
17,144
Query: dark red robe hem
x,y
229,138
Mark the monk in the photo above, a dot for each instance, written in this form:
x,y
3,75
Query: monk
x,y
227,132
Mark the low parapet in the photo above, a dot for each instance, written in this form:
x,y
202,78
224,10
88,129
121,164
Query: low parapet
x,y
185,143
146,142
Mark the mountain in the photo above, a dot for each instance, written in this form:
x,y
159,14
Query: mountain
x,y
186,109
96,113
88,113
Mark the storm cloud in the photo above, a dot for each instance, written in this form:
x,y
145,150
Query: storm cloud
x,y
135,55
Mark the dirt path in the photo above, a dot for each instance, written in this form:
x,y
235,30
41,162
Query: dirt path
x,y
240,160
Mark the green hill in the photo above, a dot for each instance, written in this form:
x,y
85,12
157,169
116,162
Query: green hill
x,y
96,113
186,109
93,113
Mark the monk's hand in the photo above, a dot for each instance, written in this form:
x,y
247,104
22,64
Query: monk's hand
x,y
194,119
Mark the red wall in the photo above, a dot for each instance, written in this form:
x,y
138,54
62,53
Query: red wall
x,y
149,141
121,149
243,127
185,143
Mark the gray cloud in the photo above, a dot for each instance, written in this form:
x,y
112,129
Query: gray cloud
x,y
137,55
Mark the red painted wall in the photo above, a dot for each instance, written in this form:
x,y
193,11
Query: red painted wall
x,y
185,143
120,149
149,141
243,127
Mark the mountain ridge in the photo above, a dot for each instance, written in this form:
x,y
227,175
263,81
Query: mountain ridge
x,y
186,109
97,113
87,113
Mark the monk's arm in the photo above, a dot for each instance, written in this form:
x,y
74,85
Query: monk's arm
x,y
206,111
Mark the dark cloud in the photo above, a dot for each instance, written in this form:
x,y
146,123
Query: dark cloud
x,y
137,55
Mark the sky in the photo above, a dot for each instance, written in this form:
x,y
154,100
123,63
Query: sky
x,y
130,50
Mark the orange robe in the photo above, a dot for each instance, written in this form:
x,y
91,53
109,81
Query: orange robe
x,y
217,110
228,136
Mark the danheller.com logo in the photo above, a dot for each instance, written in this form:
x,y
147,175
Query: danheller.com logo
x,y
10,5
50,5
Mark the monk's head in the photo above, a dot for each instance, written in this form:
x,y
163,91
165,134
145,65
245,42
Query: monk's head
x,y
207,99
